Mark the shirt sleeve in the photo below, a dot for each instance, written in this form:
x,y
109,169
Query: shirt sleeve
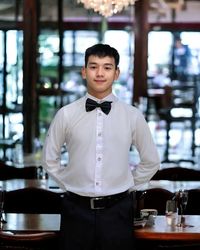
x,y
51,153
148,154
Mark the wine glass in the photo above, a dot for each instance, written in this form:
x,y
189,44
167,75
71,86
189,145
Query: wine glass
x,y
182,199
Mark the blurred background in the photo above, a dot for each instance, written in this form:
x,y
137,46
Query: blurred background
x,y
42,45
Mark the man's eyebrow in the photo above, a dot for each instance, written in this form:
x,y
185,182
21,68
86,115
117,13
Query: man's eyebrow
x,y
109,64
105,64
92,63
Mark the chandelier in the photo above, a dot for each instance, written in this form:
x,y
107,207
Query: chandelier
x,y
106,7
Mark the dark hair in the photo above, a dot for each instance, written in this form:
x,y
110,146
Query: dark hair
x,y
102,50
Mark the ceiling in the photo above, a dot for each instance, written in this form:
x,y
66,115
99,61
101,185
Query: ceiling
x,y
159,10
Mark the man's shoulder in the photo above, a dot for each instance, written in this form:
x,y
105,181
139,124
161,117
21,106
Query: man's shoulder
x,y
127,106
75,104
130,111
72,109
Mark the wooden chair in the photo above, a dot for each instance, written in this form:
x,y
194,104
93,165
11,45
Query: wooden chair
x,y
11,172
32,200
177,174
28,241
156,198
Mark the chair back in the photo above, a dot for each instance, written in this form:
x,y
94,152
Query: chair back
x,y
11,172
177,174
156,198
32,200
193,205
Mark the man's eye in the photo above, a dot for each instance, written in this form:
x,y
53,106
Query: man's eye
x,y
108,68
92,67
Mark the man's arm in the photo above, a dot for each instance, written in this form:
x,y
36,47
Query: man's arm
x,y
149,158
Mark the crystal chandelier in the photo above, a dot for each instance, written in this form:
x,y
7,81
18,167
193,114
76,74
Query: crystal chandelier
x,y
106,7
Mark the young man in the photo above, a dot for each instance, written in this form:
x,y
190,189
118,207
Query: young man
x,y
98,131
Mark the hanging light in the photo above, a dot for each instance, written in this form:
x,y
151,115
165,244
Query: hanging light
x,y
106,7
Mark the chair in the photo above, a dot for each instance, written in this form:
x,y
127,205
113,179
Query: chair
x,y
156,198
138,202
28,241
10,172
162,106
177,174
32,200
193,205
184,96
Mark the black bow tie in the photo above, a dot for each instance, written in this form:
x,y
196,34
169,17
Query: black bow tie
x,y
91,105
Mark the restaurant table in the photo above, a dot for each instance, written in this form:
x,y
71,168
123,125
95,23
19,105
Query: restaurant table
x,y
172,186
17,222
154,92
162,231
146,237
50,184
30,231
163,236
14,184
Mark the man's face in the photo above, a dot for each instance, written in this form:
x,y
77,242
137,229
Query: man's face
x,y
100,73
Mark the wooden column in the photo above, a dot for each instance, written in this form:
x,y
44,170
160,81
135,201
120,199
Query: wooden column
x,y
61,37
30,16
141,45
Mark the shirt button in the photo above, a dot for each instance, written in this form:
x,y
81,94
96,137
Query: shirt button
x,y
97,183
99,134
99,158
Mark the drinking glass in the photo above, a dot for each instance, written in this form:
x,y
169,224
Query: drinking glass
x,y
171,212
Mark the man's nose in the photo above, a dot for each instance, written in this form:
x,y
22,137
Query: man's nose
x,y
100,71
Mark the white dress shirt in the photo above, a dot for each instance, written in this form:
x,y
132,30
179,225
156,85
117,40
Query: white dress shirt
x,y
98,146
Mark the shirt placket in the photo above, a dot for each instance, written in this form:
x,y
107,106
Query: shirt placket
x,y
99,151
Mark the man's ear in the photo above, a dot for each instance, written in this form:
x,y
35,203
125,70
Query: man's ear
x,y
117,73
83,72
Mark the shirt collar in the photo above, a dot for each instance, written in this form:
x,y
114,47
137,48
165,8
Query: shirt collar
x,y
111,98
